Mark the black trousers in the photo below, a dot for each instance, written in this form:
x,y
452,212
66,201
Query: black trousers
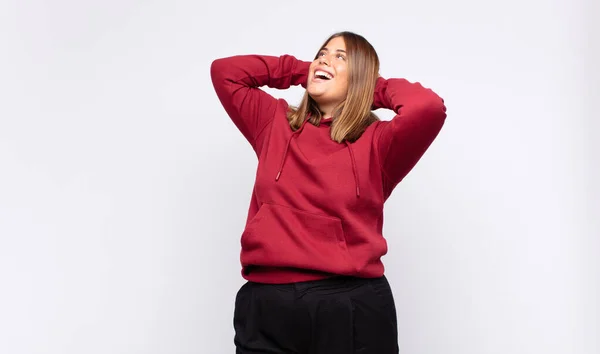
x,y
340,315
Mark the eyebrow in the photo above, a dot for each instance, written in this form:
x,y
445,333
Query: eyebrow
x,y
338,50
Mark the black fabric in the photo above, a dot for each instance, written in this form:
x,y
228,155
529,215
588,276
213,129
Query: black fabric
x,y
340,315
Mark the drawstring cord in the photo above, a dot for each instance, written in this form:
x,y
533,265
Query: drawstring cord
x,y
283,158
354,170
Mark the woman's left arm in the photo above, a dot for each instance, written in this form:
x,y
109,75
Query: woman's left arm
x,y
401,142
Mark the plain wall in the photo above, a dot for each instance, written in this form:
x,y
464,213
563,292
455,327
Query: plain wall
x,y
590,271
124,186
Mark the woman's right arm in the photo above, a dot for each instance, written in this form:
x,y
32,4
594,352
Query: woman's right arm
x,y
237,81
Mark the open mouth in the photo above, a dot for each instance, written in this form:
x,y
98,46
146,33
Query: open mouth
x,y
320,74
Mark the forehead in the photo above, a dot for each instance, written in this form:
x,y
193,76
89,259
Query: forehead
x,y
335,44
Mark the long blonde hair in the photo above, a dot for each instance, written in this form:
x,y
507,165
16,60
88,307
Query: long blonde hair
x,y
352,116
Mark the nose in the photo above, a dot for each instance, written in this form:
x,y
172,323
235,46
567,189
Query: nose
x,y
324,60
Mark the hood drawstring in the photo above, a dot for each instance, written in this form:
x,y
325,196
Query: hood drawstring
x,y
285,153
283,158
354,169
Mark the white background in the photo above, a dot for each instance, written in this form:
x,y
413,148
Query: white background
x,y
124,186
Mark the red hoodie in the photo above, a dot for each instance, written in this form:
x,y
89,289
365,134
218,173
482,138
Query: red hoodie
x,y
317,205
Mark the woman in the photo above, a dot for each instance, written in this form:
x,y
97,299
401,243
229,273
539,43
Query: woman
x,y
312,246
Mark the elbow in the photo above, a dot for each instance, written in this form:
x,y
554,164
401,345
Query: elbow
x,y
217,67
424,105
432,109
225,67
438,109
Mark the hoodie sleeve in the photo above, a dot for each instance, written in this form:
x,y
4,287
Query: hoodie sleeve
x,y
237,81
401,142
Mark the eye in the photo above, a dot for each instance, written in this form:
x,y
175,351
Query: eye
x,y
341,56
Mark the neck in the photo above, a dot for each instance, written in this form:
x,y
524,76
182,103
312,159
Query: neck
x,y
327,109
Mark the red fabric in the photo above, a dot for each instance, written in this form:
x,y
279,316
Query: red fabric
x,y
317,205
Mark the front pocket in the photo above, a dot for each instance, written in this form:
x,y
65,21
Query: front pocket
x,y
280,236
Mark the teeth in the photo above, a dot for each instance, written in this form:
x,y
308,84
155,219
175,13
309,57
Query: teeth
x,y
323,73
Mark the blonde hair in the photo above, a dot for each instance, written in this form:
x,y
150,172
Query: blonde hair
x,y
353,115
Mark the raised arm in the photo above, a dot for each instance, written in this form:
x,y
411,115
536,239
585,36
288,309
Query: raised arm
x,y
401,142
237,81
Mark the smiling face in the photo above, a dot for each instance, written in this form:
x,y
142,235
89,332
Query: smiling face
x,y
328,76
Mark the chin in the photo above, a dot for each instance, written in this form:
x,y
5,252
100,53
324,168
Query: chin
x,y
312,94
315,93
